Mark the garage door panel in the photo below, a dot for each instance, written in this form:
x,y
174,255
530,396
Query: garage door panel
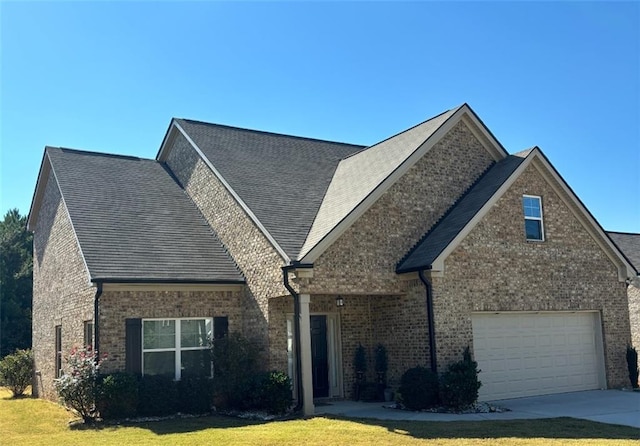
x,y
524,354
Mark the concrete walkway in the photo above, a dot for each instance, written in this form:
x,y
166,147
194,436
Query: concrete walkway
x,y
605,406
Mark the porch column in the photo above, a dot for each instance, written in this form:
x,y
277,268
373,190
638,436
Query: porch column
x,y
305,355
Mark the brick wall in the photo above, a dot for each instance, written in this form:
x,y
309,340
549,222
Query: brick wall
x,y
363,259
256,257
634,314
117,306
495,269
62,293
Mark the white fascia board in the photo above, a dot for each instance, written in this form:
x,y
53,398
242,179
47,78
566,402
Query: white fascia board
x,y
233,193
464,112
167,142
38,194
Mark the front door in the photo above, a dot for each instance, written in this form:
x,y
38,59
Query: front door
x,y
319,356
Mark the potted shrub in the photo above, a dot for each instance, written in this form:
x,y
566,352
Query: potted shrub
x,y
382,365
360,366
360,362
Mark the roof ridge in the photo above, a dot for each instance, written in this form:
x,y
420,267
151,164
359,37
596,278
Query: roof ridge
x,y
95,153
264,132
404,131
446,213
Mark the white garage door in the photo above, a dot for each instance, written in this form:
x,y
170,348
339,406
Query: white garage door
x,y
526,354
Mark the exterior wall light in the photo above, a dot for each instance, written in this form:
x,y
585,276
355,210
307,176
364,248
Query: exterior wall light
x,y
339,302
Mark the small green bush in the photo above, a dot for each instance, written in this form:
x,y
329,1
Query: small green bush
x,y
275,392
117,395
195,395
16,371
459,385
419,388
236,363
157,396
632,366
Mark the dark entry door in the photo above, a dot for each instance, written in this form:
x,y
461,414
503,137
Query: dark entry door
x,y
319,356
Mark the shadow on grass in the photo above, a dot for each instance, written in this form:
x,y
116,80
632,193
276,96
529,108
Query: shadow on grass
x,y
563,427
176,425
552,428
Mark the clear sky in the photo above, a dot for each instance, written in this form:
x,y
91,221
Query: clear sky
x,y
109,76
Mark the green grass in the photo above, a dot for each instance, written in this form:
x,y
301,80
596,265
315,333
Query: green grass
x,y
28,421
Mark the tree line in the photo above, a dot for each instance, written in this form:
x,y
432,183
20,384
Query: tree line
x,y
16,283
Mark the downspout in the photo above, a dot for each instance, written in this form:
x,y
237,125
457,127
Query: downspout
x,y
296,334
430,318
96,331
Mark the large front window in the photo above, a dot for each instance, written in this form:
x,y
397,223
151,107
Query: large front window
x,y
177,347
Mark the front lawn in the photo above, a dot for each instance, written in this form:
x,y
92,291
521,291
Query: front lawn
x,y
27,421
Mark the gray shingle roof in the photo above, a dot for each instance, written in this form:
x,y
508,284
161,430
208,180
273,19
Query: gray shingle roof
x,y
360,174
281,178
629,244
444,232
134,222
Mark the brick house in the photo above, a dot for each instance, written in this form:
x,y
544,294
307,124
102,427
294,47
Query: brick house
x,y
431,240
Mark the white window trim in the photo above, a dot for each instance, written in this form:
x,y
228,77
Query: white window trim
x,y
176,348
540,219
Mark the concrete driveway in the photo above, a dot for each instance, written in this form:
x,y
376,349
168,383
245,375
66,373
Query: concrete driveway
x,y
605,406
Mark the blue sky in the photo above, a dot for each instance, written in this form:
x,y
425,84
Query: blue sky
x,y
109,76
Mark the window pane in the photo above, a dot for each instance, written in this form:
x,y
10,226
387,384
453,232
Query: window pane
x,y
533,229
195,333
531,206
196,363
159,363
159,334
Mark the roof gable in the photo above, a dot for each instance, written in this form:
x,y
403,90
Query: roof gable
x,y
133,222
279,180
362,178
435,246
629,244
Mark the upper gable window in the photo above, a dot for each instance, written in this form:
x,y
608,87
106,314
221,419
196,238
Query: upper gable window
x,y
533,225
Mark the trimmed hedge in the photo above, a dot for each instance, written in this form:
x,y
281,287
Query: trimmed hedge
x,y
117,395
419,388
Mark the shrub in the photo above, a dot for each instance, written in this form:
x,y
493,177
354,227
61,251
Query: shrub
x,y
117,395
77,386
419,388
16,371
275,392
195,395
235,366
459,385
632,366
360,360
157,395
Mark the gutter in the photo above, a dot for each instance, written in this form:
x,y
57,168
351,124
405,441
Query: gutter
x,y
432,332
96,331
296,330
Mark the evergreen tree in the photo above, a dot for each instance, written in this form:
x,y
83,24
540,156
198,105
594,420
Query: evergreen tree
x,y
16,283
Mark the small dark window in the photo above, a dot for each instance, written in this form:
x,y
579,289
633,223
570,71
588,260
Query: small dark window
x,y
533,223
58,351
88,334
